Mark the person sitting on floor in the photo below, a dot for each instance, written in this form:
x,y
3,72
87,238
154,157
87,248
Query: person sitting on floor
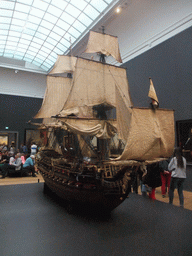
x,y
12,158
18,162
23,158
29,165
4,164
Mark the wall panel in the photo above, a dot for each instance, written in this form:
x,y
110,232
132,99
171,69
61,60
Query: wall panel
x,y
22,83
16,111
170,67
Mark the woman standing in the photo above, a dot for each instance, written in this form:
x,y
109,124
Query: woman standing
x,y
177,167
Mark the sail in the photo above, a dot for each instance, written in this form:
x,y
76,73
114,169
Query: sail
x,y
55,96
94,83
104,44
123,111
96,102
151,135
64,64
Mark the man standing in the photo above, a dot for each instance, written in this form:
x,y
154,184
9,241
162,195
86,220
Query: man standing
x,y
29,165
33,148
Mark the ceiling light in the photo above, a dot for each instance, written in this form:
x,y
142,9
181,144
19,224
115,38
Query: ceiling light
x,y
118,10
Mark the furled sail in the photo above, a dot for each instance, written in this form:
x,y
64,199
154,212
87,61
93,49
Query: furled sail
x,y
151,135
55,96
95,83
90,131
51,122
64,64
104,44
100,129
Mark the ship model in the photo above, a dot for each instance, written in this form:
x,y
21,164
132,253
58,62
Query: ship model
x,y
93,136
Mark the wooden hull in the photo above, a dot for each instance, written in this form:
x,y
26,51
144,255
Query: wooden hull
x,y
93,198
98,197
100,187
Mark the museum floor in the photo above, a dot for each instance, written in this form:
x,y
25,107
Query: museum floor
x,y
33,223
39,179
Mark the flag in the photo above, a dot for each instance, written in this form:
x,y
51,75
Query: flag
x,y
152,93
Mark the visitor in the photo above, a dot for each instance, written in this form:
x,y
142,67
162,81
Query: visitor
x,y
12,158
23,158
33,148
165,177
29,165
3,148
177,167
152,179
18,162
12,147
4,164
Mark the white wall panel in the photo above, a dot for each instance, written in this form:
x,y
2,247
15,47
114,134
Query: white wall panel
x,y
21,83
144,24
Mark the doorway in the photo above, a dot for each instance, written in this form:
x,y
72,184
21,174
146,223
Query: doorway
x,y
8,137
184,137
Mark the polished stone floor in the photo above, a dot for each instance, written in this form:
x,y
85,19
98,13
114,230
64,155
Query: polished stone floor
x,y
35,224
32,223
187,187
21,180
187,198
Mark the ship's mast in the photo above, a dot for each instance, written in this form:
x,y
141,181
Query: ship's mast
x,y
103,144
102,56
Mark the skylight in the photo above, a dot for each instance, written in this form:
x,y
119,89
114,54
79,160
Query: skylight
x,y
37,31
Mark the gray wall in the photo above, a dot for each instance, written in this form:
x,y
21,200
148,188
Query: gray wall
x,y
21,95
170,67
22,83
16,111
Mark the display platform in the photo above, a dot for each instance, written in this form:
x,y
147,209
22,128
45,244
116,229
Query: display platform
x,y
33,223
